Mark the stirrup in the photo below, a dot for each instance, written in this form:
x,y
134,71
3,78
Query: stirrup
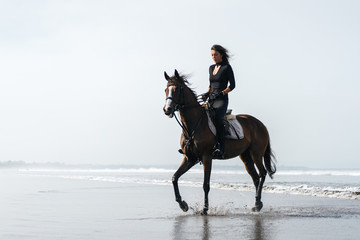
x,y
218,153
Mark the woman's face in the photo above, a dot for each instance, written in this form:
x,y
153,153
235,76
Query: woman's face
x,y
216,56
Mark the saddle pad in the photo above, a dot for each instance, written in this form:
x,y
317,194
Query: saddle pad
x,y
235,128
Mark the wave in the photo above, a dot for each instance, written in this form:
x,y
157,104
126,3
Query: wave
x,y
353,173
103,170
342,192
301,189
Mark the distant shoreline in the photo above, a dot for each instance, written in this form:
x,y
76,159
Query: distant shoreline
x,y
217,166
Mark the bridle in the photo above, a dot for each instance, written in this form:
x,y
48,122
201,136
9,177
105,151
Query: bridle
x,y
180,106
189,136
177,106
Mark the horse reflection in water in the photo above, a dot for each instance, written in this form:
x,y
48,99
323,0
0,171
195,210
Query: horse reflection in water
x,y
197,141
244,226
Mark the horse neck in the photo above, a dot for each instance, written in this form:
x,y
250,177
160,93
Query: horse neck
x,y
191,113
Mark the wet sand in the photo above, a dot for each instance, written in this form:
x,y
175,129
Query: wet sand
x,y
40,207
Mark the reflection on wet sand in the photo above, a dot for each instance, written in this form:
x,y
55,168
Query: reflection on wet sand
x,y
205,235
258,230
221,227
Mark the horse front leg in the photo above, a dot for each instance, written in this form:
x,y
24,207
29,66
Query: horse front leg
x,y
184,167
206,185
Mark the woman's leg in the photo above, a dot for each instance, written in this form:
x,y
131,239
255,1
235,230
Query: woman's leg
x,y
220,106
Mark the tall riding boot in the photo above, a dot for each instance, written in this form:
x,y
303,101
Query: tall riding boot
x,y
221,145
220,136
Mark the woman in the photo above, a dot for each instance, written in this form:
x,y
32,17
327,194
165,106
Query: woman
x,y
222,82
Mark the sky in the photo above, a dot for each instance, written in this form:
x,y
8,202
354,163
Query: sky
x,y
81,81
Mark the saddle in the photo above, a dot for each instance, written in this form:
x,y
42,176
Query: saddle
x,y
233,128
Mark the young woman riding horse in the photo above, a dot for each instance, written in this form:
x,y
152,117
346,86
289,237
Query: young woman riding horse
x,y
221,74
197,141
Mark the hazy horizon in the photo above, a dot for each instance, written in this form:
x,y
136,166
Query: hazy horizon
x,y
218,165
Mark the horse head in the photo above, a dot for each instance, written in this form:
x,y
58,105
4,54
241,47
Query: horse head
x,y
174,93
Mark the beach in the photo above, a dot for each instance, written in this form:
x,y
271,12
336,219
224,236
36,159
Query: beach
x,y
67,205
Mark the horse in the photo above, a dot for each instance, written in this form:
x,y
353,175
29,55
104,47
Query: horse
x,y
197,141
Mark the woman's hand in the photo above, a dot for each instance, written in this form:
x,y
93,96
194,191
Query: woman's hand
x,y
226,91
205,96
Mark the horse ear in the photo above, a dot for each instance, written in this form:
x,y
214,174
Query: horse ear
x,y
166,76
177,74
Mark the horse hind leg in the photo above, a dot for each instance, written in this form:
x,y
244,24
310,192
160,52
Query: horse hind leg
x,y
262,175
206,184
250,168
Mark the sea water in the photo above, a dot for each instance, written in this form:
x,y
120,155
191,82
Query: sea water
x,y
138,202
342,184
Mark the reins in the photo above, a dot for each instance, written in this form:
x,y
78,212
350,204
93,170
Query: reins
x,y
185,129
189,139
189,136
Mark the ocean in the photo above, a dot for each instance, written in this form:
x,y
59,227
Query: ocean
x,y
138,203
343,184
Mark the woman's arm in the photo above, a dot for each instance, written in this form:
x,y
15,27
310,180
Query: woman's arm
x,y
226,91
230,75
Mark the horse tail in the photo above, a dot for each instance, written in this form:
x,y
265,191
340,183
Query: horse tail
x,y
270,161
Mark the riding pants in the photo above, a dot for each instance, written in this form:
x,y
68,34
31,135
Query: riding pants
x,y
220,106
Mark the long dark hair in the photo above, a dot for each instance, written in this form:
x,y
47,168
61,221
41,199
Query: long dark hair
x,y
223,51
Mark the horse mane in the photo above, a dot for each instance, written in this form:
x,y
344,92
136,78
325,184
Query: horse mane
x,y
182,80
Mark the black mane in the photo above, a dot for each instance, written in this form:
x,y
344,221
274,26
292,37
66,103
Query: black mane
x,y
182,80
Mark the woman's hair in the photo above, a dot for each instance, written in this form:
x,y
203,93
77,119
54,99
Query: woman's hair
x,y
223,51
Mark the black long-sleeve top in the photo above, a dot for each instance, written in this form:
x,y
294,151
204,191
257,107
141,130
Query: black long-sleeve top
x,y
222,79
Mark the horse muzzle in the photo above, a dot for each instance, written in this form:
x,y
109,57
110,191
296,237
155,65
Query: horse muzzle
x,y
169,111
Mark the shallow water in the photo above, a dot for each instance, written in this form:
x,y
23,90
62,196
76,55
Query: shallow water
x,y
119,204
326,183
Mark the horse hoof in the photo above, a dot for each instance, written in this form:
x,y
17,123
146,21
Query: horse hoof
x,y
258,207
183,205
204,212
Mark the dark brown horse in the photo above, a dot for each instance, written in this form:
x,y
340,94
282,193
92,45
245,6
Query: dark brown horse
x,y
197,141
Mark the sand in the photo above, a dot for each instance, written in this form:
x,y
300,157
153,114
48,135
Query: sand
x,y
43,207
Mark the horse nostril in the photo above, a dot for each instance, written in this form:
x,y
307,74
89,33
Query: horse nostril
x,y
168,110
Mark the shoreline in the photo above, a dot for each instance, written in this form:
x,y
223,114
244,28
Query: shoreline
x,y
223,180
55,208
